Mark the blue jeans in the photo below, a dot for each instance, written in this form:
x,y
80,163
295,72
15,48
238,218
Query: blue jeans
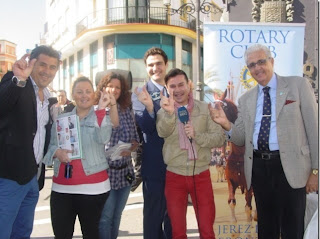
x,y
111,213
17,206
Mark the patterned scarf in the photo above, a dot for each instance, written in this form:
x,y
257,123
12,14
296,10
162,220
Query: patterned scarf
x,y
183,139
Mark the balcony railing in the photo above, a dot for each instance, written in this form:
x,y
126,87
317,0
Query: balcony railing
x,y
127,15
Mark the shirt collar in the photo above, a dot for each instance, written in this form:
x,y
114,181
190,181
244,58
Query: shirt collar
x,y
272,83
160,87
46,92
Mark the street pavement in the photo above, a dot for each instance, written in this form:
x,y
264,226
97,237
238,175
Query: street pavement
x,y
132,219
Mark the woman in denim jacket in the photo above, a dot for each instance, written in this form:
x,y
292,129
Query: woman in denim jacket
x,y
81,185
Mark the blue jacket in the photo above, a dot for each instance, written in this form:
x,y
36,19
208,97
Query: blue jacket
x,y
153,167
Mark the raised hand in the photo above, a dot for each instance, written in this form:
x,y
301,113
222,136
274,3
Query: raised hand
x,y
105,99
167,103
23,68
113,108
145,98
217,115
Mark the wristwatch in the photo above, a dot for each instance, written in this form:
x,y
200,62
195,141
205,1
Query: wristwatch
x,y
20,83
315,171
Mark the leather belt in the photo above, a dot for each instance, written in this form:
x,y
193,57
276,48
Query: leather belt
x,y
119,167
266,155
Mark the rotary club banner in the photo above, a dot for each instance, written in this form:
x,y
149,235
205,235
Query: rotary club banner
x,y
225,44
226,78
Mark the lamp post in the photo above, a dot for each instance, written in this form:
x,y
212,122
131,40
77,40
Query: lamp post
x,y
191,8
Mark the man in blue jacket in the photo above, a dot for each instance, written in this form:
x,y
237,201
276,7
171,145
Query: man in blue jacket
x,y
146,103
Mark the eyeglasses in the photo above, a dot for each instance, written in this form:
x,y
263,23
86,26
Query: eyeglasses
x,y
261,62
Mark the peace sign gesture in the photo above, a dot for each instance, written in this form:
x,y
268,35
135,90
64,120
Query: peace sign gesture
x,y
167,103
145,98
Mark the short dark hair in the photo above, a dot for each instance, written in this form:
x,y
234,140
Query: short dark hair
x,y
155,51
80,79
175,72
124,98
45,50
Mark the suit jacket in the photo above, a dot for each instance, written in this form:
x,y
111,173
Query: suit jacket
x,y
18,127
153,167
297,128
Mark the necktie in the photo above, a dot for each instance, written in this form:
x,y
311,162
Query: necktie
x,y
263,138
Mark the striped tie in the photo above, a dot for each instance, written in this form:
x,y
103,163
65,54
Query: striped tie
x,y
263,138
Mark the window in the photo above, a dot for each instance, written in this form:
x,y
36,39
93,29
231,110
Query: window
x,y
64,65
187,57
94,54
10,50
71,66
93,59
80,61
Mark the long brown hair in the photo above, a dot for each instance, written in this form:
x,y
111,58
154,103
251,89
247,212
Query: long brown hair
x,y
124,99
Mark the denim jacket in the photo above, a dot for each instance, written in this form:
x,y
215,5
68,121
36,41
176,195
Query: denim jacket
x,y
93,140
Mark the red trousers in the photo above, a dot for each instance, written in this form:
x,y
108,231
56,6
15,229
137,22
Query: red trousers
x,y
200,188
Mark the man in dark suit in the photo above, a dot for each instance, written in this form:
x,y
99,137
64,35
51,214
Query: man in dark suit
x,y
25,125
156,223
277,123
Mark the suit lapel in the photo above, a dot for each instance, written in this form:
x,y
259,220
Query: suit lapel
x,y
282,92
155,95
252,103
33,98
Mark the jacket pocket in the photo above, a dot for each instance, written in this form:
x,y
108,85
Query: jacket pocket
x,y
305,150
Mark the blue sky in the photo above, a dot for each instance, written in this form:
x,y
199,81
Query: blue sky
x,y
22,22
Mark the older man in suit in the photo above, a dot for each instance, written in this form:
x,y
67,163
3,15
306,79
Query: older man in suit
x,y
25,125
277,123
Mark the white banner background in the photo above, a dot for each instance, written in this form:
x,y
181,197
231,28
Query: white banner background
x,y
224,68
225,44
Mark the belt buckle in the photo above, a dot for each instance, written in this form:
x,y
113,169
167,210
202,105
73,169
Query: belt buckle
x,y
266,156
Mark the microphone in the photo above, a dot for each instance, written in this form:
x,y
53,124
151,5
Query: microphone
x,y
183,116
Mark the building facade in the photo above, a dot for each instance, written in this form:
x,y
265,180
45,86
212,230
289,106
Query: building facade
x,y
98,35
7,56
